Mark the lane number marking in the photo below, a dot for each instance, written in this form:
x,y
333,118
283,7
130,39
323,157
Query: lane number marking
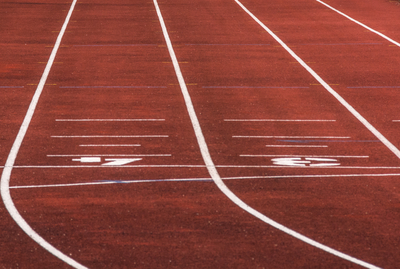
x,y
109,162
305,162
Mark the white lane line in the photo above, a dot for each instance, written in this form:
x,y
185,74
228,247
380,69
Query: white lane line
x,y
293,146
111,145
361,24
276,120
105,120
254,87
210,164
107,182
371,128
310,156
111,87
282,136
187,166
109,136
5,177
112,155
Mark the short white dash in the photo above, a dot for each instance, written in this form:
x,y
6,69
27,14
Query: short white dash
x,y
105,120
111,145
261,136
111,155
293,146
110,136
277,120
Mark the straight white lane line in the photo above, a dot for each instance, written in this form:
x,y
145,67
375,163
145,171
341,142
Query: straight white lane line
x,y
105,120
5,177
292,146
361,24
211,166
190,166
107,182
276,120
282,136
112,155
111,145
109,136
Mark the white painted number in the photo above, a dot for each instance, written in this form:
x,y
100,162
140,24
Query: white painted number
x,y
312,162
109,162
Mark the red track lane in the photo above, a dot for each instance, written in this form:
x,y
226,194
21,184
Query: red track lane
x,y
113,64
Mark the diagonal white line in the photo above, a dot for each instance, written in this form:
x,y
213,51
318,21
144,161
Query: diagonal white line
x,y
5,177
361,24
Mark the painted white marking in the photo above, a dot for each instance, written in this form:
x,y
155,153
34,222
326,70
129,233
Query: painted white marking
x,y
88,160
305,156
371,128
108,182
276,120
290,161
305,137
119,162
5,177
210,164
305,162
109,136
183,166
291,146
111,145
199,179
105,120
361,24
113,155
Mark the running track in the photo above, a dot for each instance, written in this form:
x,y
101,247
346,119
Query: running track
x,y
298,115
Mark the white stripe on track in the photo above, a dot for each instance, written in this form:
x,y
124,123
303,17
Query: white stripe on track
x,y
210,164
5,177
108,182
361,24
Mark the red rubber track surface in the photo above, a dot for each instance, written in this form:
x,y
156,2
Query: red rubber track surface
x,y
113,64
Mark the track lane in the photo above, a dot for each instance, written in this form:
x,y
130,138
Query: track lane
x,y
378,153
206,106
66,207
23,57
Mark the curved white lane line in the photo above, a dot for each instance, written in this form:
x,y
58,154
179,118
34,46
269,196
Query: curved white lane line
x,y
361,24
5,177
213,171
